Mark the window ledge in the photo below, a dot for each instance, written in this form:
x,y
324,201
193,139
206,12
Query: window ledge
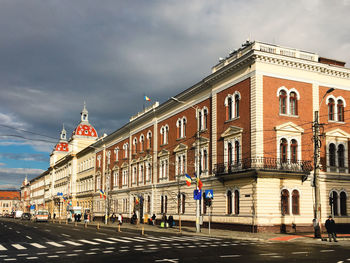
x,y
334,121
233,119
288,115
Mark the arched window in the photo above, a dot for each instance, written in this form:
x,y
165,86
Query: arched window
x,y
283,102
183,134
134,146
149,204
295,202
285,202
183,203
333,201
125,149
283,150
236,152
204,206
200,120
236,105
340,109
229,155
341,150
149,140
293,103
343,198
331,109
178,130
294,151
236,202
116,153
229,202
205,119
332,155
229,109
142,143
205,160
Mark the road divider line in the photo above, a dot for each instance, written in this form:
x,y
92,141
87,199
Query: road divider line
x,y
72,243
37,245
88,242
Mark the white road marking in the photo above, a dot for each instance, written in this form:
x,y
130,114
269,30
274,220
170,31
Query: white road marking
x,y
72,243
91,253
65,235
123,250
88,242
37,245
268,254
78,250
104,241
53,256
19,247
133,239
119,240
300,252
42,253
9,259
22,255
60,252
3,256
31,257
71,255
55,244
230,256
18,232
108,251
327,250
94,249
28,237
2,248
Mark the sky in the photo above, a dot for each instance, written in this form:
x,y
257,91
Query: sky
x,y
56,54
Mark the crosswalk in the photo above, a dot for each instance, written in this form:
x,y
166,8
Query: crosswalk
x,y
122,240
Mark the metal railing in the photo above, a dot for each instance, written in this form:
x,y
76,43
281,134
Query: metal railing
x,y
264,163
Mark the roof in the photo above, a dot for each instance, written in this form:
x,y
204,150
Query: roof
x,y
10,195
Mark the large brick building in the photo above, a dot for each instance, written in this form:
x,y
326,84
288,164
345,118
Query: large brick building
x,y
246,130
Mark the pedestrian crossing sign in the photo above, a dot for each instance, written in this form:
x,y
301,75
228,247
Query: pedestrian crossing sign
x,y
209,194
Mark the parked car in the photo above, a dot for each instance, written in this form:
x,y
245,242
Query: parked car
x,y
26,216
41,216
18,214
12,215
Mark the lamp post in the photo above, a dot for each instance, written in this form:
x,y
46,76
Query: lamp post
x,y
198,211
316,182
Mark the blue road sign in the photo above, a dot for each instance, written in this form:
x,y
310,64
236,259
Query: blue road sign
x,y
197,194
209,194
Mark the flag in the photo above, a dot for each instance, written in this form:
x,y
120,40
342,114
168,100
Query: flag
x,y
102,194
199,182
146,98
188,179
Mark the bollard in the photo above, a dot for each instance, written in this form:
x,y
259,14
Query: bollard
x,y
143,231
98,226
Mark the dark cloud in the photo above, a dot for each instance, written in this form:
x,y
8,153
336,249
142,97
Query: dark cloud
x,y
56,54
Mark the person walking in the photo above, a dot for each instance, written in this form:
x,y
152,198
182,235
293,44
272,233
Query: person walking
x,y
330,226
86,218
154,219
113,217
120,219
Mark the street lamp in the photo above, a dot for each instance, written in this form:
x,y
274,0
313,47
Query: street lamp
x,y
316,183
198,213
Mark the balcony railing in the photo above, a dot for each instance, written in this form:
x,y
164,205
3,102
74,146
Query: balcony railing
x,y
264,163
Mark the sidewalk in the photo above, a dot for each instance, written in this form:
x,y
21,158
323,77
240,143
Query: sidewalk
x,y
220,233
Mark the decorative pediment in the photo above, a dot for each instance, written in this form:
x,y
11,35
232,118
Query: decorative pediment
x,y
163,153
140,159
134,161
289,127
180,148
115,167
148,156
232,131
201,141
124,165
338,133
98,173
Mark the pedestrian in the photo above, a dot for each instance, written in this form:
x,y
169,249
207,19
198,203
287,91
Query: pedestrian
x,y
330,226
79,216
86,218
171,221
54,215
154,219
113,217
165,220
120,219
134,219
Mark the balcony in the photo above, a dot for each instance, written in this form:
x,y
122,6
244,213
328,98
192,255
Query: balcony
x,y
263,164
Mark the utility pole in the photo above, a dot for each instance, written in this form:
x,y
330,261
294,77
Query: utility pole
x,y
316,181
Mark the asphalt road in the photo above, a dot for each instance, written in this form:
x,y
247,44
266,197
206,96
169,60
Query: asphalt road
x,y
24,241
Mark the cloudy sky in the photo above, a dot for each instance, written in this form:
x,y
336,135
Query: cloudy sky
x,y
54,55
